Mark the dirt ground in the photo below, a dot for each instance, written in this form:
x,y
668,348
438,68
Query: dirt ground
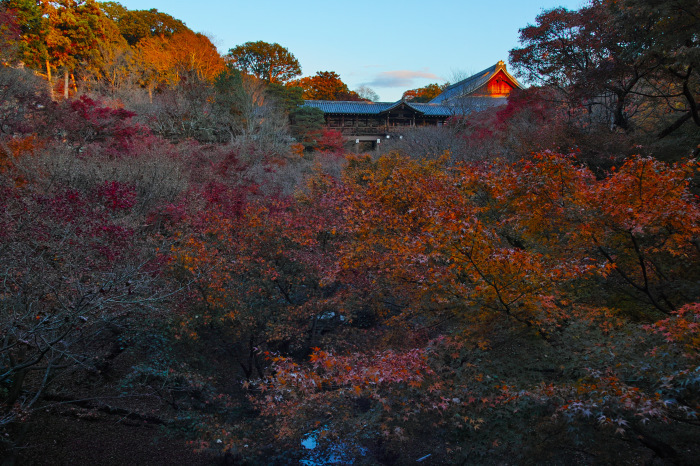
x,y
66,439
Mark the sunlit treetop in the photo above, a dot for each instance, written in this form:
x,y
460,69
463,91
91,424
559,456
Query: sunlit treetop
x,y
269,62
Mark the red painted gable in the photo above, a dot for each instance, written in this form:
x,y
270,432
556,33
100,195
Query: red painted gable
x,y
500,85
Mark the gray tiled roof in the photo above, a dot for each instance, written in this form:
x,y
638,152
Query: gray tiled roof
x,y
432,109
467,104
461,106
374,108
471,84
349,107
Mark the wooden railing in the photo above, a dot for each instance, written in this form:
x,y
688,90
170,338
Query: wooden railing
x,y
369,131
365,131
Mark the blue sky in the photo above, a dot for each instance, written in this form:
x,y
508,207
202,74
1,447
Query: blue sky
x,y
388,45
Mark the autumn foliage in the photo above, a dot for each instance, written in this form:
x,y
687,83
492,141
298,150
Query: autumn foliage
x,y
426,270
184,250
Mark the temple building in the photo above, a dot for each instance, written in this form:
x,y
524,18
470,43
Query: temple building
x,y
368,121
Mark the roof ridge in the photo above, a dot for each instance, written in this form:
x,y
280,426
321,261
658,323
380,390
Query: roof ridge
x,y
472,83
490,69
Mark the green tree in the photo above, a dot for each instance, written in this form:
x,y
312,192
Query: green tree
x,y
78,31
288,98
33,31
269,62
113,58
306,125
113,10
9,36
140,24
231,101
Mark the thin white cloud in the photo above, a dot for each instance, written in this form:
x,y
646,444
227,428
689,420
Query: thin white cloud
x,y
400,78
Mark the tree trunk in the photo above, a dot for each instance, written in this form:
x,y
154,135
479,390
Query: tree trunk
x,y
619,118
65,84
48,76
